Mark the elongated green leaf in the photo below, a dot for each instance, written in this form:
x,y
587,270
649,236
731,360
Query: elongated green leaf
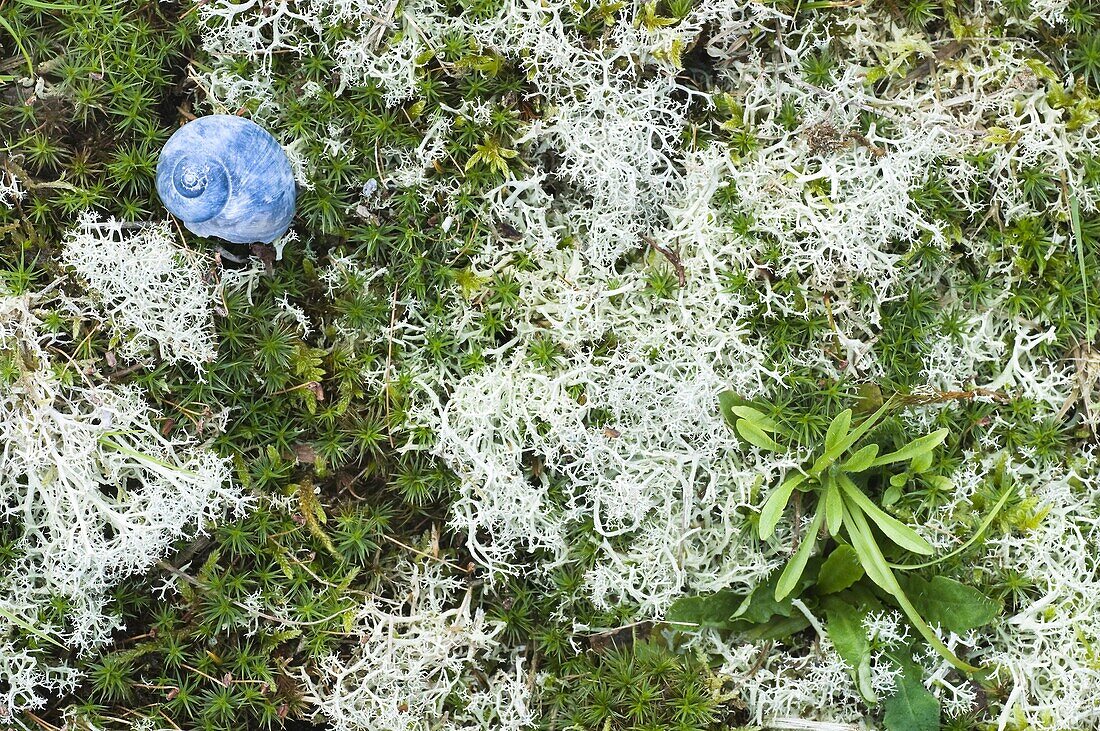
x,y
838,429
821,464
914,449
861,459
865,547
776,502
756,436
733,408
1079,245
41,5
18,44
793,571
894,529
832,455
840,570
864,426
27,626
141,456
879,572
755,417
977,534
834,511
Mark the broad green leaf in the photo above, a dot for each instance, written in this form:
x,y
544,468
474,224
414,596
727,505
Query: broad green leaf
x,y
709,610
839,571
756,617
921,463
891,496
756,436
940,482
761,606
861,459
844,625
946,602
912,707
838,429
870,398
915,448
894,529
878,570
834,511
862,594
776,502
788,580
726,401
776,628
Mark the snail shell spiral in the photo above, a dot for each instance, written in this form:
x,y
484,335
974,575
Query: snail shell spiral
x,y
225,176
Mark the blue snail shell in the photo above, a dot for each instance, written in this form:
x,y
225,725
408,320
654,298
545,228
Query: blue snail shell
x,y
225,176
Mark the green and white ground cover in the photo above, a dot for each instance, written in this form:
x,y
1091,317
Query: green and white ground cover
x,y
458,458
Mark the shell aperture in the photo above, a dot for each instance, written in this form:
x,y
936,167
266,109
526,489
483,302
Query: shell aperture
x,y
225,176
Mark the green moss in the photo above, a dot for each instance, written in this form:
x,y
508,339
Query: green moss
x,y
261,598
637,685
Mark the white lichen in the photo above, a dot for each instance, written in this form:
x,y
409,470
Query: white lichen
x,y
92,488
415,657
154,295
